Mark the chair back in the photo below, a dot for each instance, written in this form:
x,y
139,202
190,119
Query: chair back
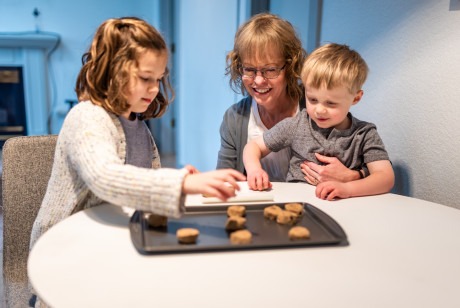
x,y
27,163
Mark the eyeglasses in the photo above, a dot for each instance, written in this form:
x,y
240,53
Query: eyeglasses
x,y
267,73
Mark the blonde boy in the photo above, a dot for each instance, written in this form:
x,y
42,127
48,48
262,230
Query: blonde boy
x,y
333,76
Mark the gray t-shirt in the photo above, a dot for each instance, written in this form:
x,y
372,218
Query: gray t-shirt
x,y
354,146
139,148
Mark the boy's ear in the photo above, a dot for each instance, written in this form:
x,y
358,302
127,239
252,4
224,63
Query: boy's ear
x,y
358,97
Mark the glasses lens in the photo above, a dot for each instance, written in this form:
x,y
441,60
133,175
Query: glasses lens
x,y
270,73
247,71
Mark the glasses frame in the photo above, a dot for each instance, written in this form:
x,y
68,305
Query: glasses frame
x,y
240,68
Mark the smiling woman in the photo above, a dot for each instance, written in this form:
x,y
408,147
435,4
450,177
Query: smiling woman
x,y
265,64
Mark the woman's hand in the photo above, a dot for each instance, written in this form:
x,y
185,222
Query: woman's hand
x,y
213,183
258,179
334,170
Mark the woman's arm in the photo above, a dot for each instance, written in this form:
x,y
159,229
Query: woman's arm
x,y
334,170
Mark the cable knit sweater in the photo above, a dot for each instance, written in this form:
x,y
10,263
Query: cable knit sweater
x,y
89,169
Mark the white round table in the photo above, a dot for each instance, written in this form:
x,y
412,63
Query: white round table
x,y
402,252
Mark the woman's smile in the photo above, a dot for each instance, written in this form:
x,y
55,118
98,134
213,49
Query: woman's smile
x,y
261,91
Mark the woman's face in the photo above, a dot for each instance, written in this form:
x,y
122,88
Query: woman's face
x,y
266,92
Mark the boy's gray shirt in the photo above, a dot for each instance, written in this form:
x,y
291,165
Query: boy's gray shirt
x,y
354,146
234,134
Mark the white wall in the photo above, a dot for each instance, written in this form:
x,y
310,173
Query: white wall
x,y
76,23
413,91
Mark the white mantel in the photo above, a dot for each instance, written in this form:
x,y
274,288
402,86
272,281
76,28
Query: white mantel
x,y
30,51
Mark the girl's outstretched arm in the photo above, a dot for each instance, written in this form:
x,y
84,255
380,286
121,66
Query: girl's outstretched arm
x,y
213,183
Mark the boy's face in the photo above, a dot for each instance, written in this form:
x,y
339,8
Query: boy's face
x,y
329,108
144,82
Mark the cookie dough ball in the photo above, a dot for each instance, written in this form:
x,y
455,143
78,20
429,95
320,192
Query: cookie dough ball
x,y
241,237
236,210
286,218
235,223
295,208
157,221
271,212
187,235
299,233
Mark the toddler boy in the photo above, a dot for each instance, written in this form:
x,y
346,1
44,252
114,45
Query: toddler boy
x,y
333,76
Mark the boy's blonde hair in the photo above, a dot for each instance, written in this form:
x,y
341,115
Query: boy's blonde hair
x,y
335,65
107,65
254,37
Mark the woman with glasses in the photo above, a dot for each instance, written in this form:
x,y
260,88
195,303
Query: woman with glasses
x,y
265,65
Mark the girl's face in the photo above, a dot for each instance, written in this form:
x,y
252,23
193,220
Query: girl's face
x,y
329,107
144,83
266,92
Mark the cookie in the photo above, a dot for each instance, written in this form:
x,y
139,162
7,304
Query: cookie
x,y
187,235
286,218
295,208
236,210
271,212
156,221
299,233
241,237
235,223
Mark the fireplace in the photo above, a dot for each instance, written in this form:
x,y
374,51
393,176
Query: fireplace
x,y
12,105
24,93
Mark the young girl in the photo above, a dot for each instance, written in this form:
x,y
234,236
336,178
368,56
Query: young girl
x,y
104,152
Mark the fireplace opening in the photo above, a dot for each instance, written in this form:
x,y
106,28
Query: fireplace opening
x,y
12,104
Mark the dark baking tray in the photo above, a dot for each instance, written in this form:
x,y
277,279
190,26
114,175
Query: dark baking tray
x,y
210,221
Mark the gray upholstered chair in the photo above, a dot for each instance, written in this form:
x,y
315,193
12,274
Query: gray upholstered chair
x,y
27,163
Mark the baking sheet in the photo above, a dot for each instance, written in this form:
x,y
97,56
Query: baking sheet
x,y
210,221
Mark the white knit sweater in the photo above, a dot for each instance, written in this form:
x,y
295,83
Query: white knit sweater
x,y
89,169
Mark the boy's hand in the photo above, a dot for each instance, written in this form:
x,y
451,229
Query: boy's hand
x,y
213,183
258,180
332,190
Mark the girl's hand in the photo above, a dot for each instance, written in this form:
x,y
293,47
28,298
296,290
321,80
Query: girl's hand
x,y
331,190
191,169
213,183
258,180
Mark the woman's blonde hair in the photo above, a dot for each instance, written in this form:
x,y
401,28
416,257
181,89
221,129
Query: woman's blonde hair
x,y
115,50
335,65
254,36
